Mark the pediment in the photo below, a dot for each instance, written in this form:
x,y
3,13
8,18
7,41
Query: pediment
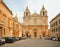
x,y
34,14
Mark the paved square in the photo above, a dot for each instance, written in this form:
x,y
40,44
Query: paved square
x,y
33,43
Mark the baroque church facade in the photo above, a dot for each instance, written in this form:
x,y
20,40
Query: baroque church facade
x,y
35,25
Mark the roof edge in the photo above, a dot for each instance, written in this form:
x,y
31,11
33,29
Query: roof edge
x,y
7,7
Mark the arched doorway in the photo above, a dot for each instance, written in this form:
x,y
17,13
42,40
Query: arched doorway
x,y
0,31
43,34
35,32
27,34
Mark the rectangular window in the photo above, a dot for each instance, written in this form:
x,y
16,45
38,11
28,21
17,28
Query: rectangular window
x,y
56,22
4,31
9,28
59,20
52,30
56,29
59,29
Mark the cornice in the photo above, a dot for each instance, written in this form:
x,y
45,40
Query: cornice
x,y
55,17
6,7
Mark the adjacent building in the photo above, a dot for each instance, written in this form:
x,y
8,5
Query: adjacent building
x,y
55,26
9,26
16,27
35,25
5,20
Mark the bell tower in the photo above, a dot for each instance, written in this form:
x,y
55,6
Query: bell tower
x,y
44,15
26,16
27,12
43,11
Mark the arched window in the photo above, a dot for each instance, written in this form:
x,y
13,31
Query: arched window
x,y
43,13
27,14
35,34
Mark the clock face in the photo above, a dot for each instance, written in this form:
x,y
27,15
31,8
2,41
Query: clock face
x,y
43,17
26,19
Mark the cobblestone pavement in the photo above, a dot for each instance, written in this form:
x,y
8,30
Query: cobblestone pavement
x,y
33,43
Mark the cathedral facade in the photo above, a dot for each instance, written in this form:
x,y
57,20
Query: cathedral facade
x,y
35,25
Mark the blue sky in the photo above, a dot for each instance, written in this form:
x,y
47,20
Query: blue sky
x,y
18,6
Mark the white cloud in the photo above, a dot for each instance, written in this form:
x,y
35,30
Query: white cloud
x,y
20,16
35,5
52,7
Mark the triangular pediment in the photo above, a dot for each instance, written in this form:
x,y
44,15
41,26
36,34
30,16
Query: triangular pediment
x,y
35,14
